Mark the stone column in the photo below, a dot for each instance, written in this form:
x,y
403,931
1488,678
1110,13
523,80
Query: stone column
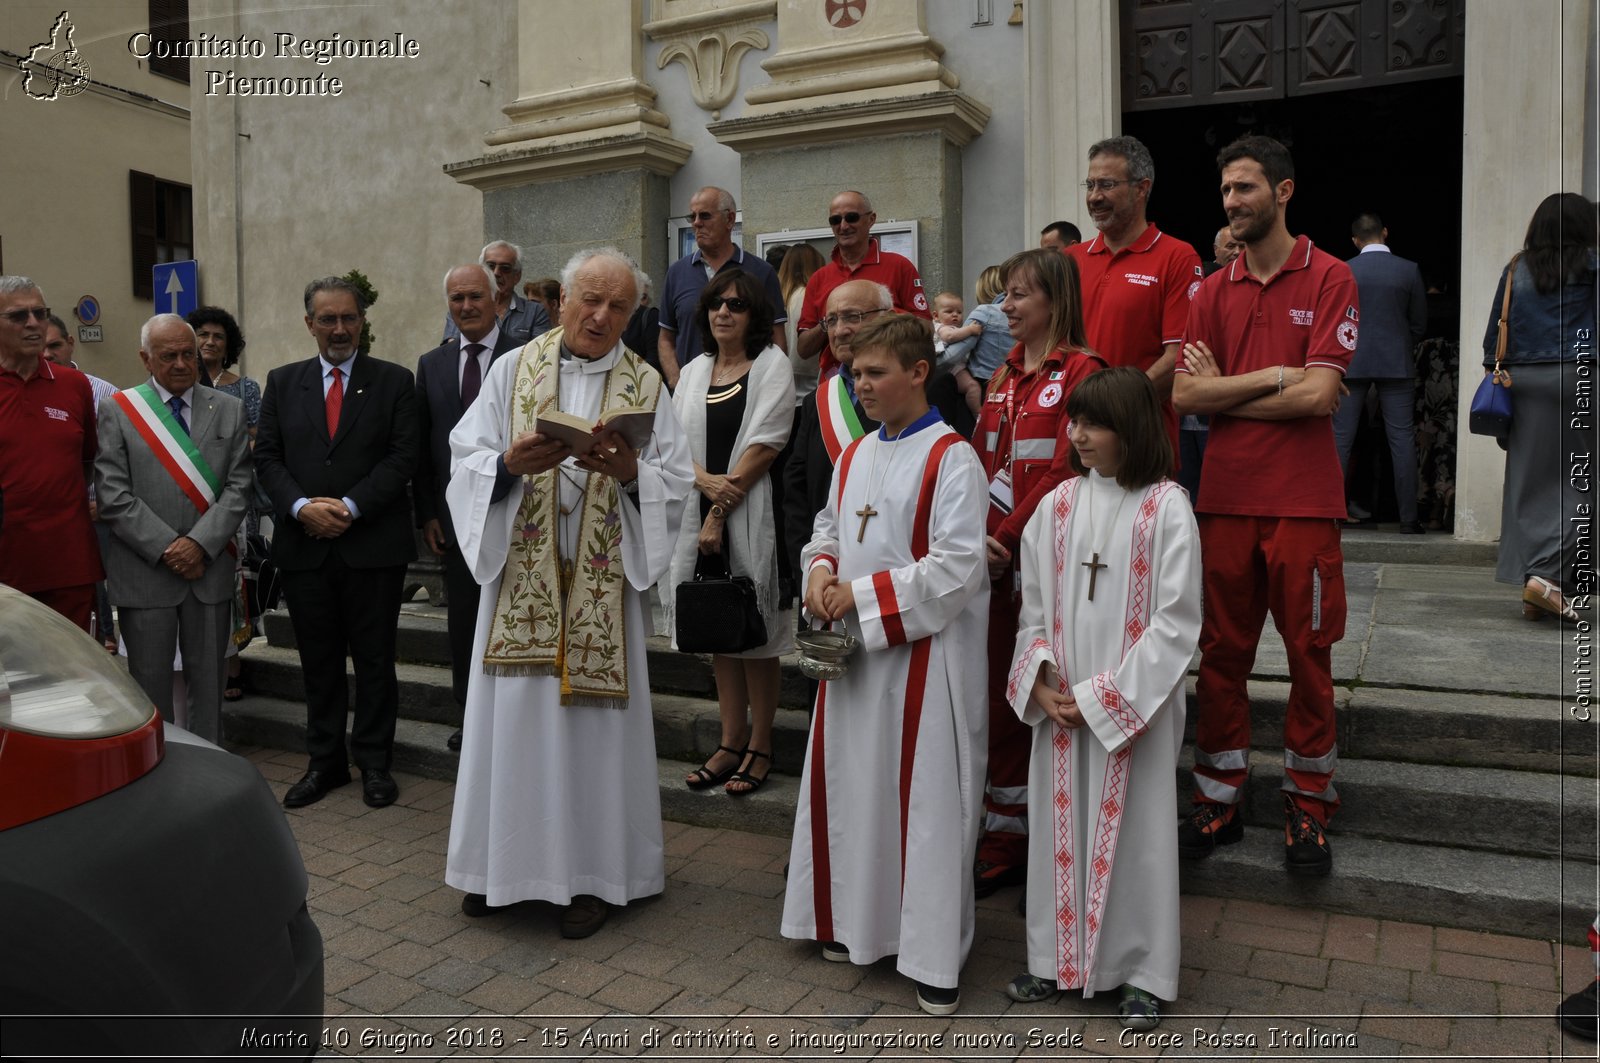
x,y
1073,98
1523,138
858,99
586,156
214,164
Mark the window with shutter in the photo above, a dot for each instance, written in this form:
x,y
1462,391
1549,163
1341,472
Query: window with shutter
x,y
169,24
161,217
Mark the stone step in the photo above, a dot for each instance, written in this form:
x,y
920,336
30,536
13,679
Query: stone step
x,y
1487,809
1529,896
1472,808
1536,897
1375,722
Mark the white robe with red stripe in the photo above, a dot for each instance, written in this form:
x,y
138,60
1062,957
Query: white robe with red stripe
x,y
892,792
1103,851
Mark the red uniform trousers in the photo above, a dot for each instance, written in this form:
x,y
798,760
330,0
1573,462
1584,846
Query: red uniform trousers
x,y
1004,841
74,603
1292,567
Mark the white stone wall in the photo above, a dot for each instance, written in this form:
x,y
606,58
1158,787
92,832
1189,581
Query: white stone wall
x,y
324,185
64,210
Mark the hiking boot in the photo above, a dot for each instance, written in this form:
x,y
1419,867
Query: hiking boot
x,y
1208,825
1305,847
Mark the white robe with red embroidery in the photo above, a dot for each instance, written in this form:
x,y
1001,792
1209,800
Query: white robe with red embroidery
x,y
1103,851
892,791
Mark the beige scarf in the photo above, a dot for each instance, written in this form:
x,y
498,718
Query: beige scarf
x,y
560,616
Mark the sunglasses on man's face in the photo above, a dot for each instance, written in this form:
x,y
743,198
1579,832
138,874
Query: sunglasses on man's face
x,y
849,216
20,317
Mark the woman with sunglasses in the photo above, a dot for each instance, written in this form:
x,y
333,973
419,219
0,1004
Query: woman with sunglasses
x,y
736,403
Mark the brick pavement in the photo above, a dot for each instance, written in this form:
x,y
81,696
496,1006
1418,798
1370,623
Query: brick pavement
x,y
703,965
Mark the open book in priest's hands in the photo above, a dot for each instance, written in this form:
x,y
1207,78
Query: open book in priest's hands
x,y
633,423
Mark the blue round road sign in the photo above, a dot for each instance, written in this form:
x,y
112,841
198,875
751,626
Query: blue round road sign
x,y
87,310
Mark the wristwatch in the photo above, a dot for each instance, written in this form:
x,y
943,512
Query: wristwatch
x,y
717,511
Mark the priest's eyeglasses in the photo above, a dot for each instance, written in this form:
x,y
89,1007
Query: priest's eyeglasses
x,y
1105,184
849,317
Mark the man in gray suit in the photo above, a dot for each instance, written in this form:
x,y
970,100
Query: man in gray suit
x,y
1394,315
174,478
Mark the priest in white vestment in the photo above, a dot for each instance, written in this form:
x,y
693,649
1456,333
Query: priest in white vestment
x,y
557,797
892,792
1110,620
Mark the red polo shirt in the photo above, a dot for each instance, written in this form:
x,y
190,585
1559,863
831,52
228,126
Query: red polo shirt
x,y
1136,301
893,271
1305,315
47,433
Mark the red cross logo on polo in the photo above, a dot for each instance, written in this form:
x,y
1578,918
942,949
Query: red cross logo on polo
x,y
842,14
1347,335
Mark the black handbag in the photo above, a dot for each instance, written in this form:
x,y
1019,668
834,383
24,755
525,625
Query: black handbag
x,y
716,611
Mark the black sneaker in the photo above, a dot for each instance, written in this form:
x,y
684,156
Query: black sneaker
x,y
1305,847
1577,1013
1209,825
937,1000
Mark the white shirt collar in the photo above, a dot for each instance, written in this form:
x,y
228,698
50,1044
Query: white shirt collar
x,y
166,396
488,341
344,367
1372,247
602,364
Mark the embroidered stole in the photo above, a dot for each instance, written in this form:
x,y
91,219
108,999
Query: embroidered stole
x,y
836,417
564,616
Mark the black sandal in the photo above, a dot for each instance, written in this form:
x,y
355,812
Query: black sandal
x,y
704,778
752,784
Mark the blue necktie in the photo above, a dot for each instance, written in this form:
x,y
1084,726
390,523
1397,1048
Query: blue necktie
x,y
176,402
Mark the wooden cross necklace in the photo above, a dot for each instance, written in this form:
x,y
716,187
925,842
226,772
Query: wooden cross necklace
x,y
866,512
1093,564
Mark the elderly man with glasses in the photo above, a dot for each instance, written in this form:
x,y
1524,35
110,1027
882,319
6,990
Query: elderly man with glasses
x,y
856,256
711,215
518,319
47,443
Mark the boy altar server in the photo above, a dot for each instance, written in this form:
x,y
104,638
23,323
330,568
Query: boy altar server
x,y
893,785
1110,620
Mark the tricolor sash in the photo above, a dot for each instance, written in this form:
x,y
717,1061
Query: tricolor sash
x,y
171,445
836,416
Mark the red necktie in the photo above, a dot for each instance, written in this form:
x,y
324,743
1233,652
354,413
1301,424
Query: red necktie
x,y
334,401
471,375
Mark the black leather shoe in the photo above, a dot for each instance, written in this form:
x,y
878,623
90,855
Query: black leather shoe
x,y
378,788
583,916
313,787
1413,528
453,743
477,906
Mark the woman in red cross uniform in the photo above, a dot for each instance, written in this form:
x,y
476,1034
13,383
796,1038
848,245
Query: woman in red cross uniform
x,y
1022,439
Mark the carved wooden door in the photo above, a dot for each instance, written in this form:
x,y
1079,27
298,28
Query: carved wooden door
x,y
1185,54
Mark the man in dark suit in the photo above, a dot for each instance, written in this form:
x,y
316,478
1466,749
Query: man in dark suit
x,y
1394,315
336,445
519,318
448,379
